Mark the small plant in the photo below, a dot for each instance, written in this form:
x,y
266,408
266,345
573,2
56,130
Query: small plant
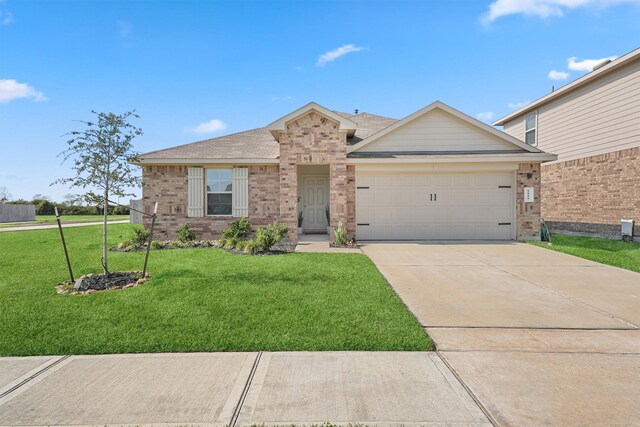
x,y
300,218
251,247
341,234
238,228
140,236
241,245
185,234
268,236
155,244
231,243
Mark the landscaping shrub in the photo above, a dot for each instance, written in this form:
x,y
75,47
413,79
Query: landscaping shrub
x,y
341,234
251,247
185,234
140,236
231,243
268,236
238,228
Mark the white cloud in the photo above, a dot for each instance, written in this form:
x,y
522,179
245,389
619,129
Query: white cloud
x,y
486,116
6,18
282,98
543,8
516,105
211,126
585,64
558,75
11,89
332,55
299,68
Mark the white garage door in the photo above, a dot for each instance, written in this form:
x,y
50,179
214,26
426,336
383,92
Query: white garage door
x,y
440,206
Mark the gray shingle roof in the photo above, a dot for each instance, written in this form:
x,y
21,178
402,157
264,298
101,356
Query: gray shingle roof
x,y
258,143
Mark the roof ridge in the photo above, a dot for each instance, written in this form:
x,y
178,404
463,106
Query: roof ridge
x,y
202,140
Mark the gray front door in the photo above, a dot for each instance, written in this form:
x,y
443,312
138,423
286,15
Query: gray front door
x,y
314,200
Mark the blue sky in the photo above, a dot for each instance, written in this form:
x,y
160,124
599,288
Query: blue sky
x,y
195,70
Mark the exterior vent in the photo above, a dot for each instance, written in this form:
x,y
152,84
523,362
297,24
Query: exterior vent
x,y
600,65
627,229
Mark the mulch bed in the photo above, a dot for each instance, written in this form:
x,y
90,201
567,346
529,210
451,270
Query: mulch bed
x,y
283,247
350,245
91,283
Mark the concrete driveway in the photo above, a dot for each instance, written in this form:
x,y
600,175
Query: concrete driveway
x,y
537,336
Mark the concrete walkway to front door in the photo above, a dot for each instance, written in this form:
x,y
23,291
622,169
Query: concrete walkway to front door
x,y
537,336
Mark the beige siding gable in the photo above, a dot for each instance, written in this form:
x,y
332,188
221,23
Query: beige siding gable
x,y
437,130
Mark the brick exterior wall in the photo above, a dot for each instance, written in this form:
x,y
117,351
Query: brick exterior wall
x,y
313,139
591,195
528,214
167,185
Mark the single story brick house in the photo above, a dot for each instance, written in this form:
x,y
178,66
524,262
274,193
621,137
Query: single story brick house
x,y
436,174
593,125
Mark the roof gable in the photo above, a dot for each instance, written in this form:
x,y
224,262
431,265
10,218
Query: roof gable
x,y
440,128
344,123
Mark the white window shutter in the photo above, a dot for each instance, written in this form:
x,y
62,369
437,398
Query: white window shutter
x,y
240,194
195,200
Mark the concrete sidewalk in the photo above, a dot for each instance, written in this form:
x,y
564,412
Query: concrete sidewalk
x,y
382,388
48,226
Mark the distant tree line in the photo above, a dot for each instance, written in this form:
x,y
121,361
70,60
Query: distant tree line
x,y
72,205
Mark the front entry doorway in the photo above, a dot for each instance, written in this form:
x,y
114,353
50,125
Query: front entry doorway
x,y
315,196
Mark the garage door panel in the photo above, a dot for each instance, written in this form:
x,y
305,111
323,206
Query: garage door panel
x,y
435,206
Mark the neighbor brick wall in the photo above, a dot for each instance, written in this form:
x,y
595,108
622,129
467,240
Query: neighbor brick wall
x,y
528,214
167,185
592,194
313,139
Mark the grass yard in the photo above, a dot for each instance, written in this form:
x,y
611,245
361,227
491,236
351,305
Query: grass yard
x,y
197,300
606,251
65,219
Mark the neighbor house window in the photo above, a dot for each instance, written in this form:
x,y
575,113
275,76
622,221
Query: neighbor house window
x,y
219,188
530,126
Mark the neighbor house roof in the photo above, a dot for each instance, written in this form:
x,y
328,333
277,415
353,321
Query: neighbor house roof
x,y
256,145
587,78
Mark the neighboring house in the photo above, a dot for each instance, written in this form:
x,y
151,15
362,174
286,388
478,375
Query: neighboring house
x,y
593,125
436,174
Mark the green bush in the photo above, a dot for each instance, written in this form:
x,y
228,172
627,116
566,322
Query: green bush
x,y
341,234
155,244
140,235
45,207
185,234
231,243
238,228
251,247
268,236
241,245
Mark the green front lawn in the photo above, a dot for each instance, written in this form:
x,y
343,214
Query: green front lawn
x,y
65,219
197,300
606,251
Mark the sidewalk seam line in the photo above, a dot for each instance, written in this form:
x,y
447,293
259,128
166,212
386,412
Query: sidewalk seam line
x,y
26,380
245,391
468,390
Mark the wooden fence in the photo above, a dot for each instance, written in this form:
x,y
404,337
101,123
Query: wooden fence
x,y
135,217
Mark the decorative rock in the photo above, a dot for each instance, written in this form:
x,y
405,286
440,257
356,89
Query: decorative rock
x,y
78,284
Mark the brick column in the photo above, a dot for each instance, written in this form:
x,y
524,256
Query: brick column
x,y
528,214
289,194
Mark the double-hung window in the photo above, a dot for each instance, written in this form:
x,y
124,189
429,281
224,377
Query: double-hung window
x,y
530,128
219,191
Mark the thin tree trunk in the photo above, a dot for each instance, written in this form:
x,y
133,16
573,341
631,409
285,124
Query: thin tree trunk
x,y
104,230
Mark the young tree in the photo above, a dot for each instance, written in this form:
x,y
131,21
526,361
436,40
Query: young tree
x,y
101,154
5,196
